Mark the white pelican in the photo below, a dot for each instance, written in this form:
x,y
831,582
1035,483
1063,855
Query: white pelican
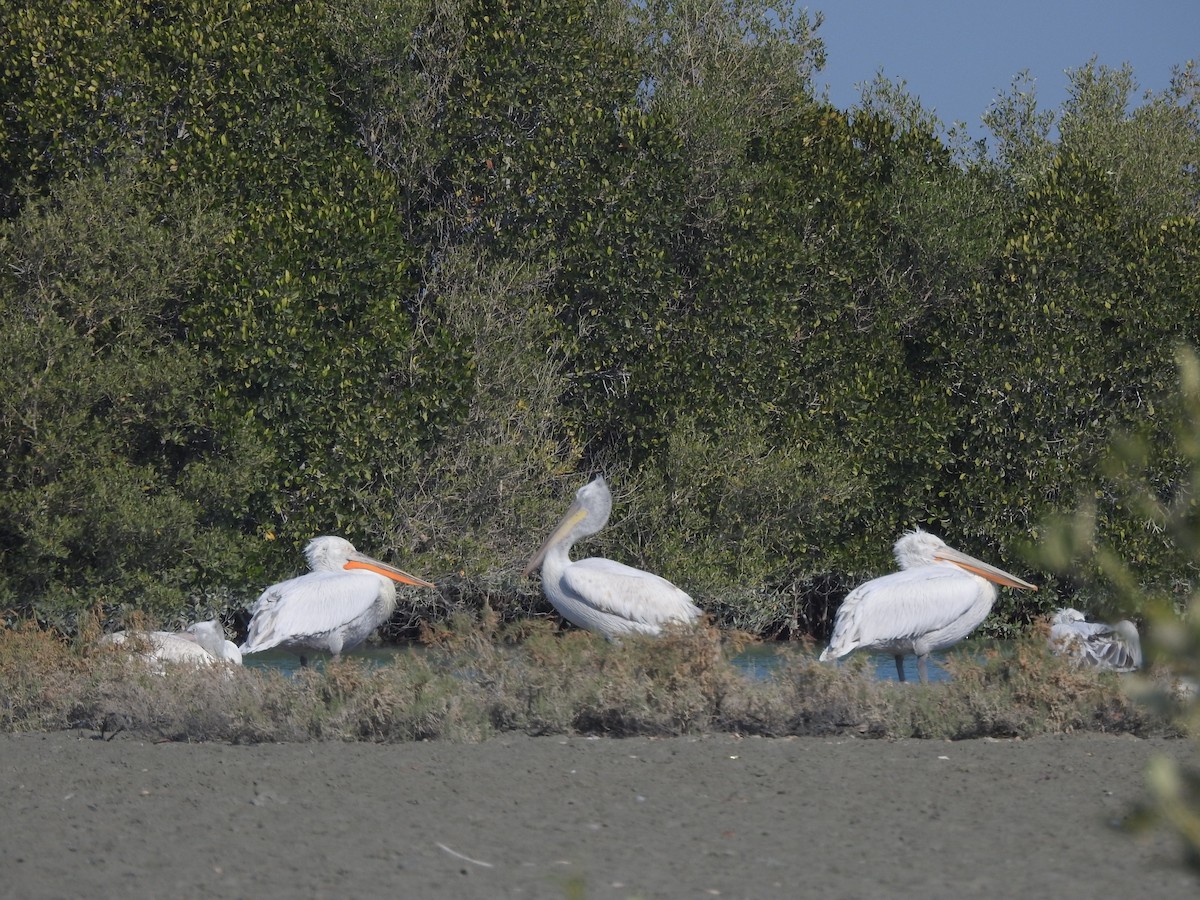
x,y
201,644
599,594
1115,647
939,596
211,636
335,607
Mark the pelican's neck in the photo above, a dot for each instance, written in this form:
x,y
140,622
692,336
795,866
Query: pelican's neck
x,y
558,556
587,515
210,639
386,599
988,590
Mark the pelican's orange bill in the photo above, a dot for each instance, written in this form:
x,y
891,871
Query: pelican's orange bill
x,y
991,573
388,572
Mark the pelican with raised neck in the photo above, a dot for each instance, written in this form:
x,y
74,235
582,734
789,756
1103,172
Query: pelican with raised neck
x,y
599,594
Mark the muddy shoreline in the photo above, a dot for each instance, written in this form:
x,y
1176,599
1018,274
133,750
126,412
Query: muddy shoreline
x,y
520,816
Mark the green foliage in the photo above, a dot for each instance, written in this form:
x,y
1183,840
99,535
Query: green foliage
x,y
119,490
656,333
841,268
1148,153
740,521
1022,132
1114,568
1041,407
303,327
404,270
506,459
723,74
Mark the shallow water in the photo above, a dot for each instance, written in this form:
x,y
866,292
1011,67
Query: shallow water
x,y
759,661
281,661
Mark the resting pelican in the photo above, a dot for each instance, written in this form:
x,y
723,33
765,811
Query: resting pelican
x,y
599,594
937,599
1115,647
201,644
335,607
211,636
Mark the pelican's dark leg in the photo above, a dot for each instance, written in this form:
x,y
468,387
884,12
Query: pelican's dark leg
x,y
303,661
900,666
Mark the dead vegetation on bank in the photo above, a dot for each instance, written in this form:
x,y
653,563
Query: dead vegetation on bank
x,y
474,680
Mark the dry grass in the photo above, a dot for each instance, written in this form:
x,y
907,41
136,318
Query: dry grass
x,y
476,679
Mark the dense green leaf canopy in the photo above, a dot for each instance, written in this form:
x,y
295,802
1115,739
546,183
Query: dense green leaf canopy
x,y
407,271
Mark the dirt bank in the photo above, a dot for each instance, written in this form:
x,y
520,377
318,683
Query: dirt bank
x,y
577,817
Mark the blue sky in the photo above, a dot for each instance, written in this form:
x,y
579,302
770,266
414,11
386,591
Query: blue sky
x,y
958,55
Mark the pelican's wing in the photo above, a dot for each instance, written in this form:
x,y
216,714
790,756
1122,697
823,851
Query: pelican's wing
x,y
901,605
175,649
1109,646
1067,640
1090,630
309,606
629,593
163,647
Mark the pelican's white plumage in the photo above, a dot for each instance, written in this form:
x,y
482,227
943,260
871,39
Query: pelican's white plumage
x,y
936,599
211,636
1115,647
333,608
200,644
598,594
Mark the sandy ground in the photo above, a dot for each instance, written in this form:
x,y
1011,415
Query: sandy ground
x,y
577,817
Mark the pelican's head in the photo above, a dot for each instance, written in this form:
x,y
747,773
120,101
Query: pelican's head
x,y
920,548
330,554
209,635
596,499
917,548
587,515
1066,616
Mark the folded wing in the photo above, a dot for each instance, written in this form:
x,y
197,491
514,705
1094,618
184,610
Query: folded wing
x,y
628,593
310,606
901,606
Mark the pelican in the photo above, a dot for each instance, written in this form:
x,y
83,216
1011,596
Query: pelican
x,y
335,607
1115,647
211,636
939,596
200,644
599,594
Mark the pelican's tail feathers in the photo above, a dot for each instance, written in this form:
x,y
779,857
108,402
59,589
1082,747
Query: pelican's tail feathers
x,y
836,651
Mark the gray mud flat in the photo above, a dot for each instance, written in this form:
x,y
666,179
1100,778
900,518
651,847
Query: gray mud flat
x,y
575,817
